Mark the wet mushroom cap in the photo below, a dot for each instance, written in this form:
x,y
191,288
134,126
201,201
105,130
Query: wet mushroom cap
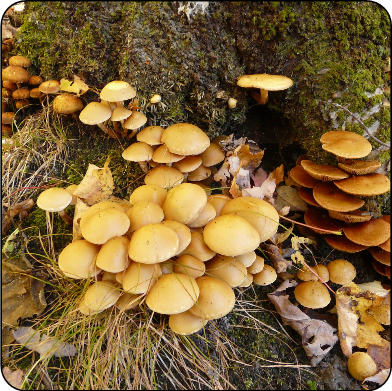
x,y
54,199
188,163
101,295
240,236
151,135
67,104
95,113
216,298
143,213
15,74
356,216
19,61
120,113
212,155
300,176
50,87
189,265
218,201
186,323
332,198
312,294
138,152
36,80
360,366
139,277
199,174
265,81
198,248
164,176
185,139
360,167
341,271
7,117
319,218
247,281
306,275
207,214
247,259
127,301
381,255
323,172
345,144
21,93
341,243
307,195
77,259
135,121
365,185
257,265
172,294
370,233
116,91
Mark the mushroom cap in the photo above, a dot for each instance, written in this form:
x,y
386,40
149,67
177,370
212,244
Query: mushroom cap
x,y
265,81
67,104
54,199
365,185
199,174
356,216
198,248
188,163
207,214
117,91
140,277
153,243
155,98
259,213
143,213
312,294
10,85
113,255
360,366
164,176
189,265
184,203
19,61
36,80
228,269
101,295
247,281
360,167
7,117
341,271
186,323
15,74
257,265
172,294
77,259
185,139
120,113
21,93
163,155
216,298
319,218
266,276
305,274
341,243
138,152
381,255
95,113
150,135
323,172
85,310
218,201
345,144
127,301
370,233
247,259
97,208
50,87
71,189
212,155
307,195
135,121
332,198
300,176
153,193
231,235
35,93
104,225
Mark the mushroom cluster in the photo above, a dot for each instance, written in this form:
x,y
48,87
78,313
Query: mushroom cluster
x,y
335,197
172,246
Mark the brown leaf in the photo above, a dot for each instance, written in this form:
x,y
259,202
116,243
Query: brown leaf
x,y
280,264
21,209
14,378
381,355
80,208
380,377
278,174
288,196
318,336
248,160
265,191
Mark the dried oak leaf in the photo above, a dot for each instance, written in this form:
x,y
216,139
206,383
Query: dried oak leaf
x,y
318,336
356,327
280,264
14,378
21,209
278,174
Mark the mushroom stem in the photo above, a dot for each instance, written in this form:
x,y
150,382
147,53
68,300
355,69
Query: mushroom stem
x,y
132,134
264,96
66,217
144,166
108,131
117,129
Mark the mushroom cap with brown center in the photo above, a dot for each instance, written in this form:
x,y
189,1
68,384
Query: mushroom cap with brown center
x,y
101,295
135,120
117,91
341,271
67,104
172,294
153,243
228,269
319,218
341,243
186,323
265,81
95,113
365,185
360,167
151,135
19,61
164,176
54,199
15,74
50,87
185,139
216,298
138,152
323,172
300,176
140,277
345,144
370,233
231,235
332,198
312,294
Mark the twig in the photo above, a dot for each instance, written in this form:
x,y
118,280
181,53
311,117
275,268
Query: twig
x,y
363,125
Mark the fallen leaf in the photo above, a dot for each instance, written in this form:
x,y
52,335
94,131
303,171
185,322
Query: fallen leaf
x,y
381,355
265,191
380,377
288,196
278,174
259,176
14,378
318,336
280,264
21,209
80,208
77,86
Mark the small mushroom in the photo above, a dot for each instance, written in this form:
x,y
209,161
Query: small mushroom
x,y
341,271
56,199
101,295
266,277
312,294
67,104
360,366
186,323
139,152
